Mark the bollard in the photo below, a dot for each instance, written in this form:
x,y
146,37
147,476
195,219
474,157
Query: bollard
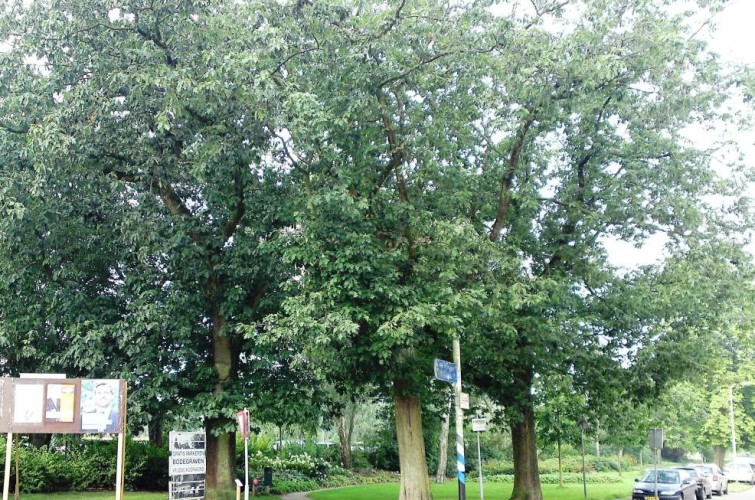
x,y
238,489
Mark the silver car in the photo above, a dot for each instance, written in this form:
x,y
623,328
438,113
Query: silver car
x,y
719,480
741,472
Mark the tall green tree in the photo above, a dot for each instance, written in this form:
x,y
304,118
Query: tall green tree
x,y
453,156
157,115
377,137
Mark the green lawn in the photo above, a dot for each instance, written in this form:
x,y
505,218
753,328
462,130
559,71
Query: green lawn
x,y
735,487
449,491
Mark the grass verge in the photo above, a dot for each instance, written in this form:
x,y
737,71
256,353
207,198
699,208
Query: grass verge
x,y
449,491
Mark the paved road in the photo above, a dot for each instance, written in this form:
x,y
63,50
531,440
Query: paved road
x,y
742,495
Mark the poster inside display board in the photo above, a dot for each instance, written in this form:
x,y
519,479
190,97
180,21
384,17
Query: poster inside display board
x,y
187,465
41,405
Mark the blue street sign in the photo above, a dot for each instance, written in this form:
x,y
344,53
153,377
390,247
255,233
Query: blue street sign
x,y
445,371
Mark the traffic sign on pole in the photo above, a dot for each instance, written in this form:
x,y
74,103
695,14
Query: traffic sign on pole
x,y
445,371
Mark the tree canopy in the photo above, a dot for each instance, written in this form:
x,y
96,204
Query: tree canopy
x,y
223,200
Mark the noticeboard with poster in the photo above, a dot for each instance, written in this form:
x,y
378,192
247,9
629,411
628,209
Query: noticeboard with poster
x,y
186,489
41,405
187,464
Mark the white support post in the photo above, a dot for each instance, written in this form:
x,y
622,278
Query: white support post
x,y
119,465
8,459
246,465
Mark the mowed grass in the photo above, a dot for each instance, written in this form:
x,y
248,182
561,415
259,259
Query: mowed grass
x,y
446,491
449,491
737,487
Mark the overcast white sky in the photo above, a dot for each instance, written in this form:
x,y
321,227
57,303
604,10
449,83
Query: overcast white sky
x,y
735,37
731,34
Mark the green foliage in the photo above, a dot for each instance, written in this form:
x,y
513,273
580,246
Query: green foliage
x,y
551,478
571,464
233,203
91,466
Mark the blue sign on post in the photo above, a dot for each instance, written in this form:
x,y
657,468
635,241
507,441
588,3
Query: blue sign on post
x,y
445,371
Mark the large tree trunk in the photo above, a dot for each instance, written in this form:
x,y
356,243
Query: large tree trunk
x,y
445,425
621,456
221,449
345,424
719,453
524,444
415,482
221,458
155,431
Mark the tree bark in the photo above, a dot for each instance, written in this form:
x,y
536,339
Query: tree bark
x,y
221,458
719,452
221,449
445,425
345,425
524,444
621,456
560,464
415,482
155,431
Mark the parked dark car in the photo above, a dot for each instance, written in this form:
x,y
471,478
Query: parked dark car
x,y
673,484
704,484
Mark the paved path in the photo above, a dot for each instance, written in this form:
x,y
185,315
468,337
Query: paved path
x,y
295,496
748,494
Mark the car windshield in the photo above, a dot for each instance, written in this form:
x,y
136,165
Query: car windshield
x,y
664,477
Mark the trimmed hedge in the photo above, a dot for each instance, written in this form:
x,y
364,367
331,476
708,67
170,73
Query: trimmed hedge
x,y
569,478
569,464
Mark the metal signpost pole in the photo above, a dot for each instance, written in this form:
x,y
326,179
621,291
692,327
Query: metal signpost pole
x,y
479,425
459,423
655,473
731,421
246,455
243,419
479,466
584,473
655,441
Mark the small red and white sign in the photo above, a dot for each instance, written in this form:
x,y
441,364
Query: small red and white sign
x,y
464,401
243,419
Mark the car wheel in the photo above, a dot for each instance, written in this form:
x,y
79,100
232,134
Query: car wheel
x,y
726,490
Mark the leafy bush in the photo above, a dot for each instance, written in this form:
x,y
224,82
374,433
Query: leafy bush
x,y
91,465
569,478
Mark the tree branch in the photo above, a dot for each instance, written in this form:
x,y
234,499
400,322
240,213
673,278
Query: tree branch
x,y
504,198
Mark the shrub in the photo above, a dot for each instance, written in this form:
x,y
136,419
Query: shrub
x,y
91,465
